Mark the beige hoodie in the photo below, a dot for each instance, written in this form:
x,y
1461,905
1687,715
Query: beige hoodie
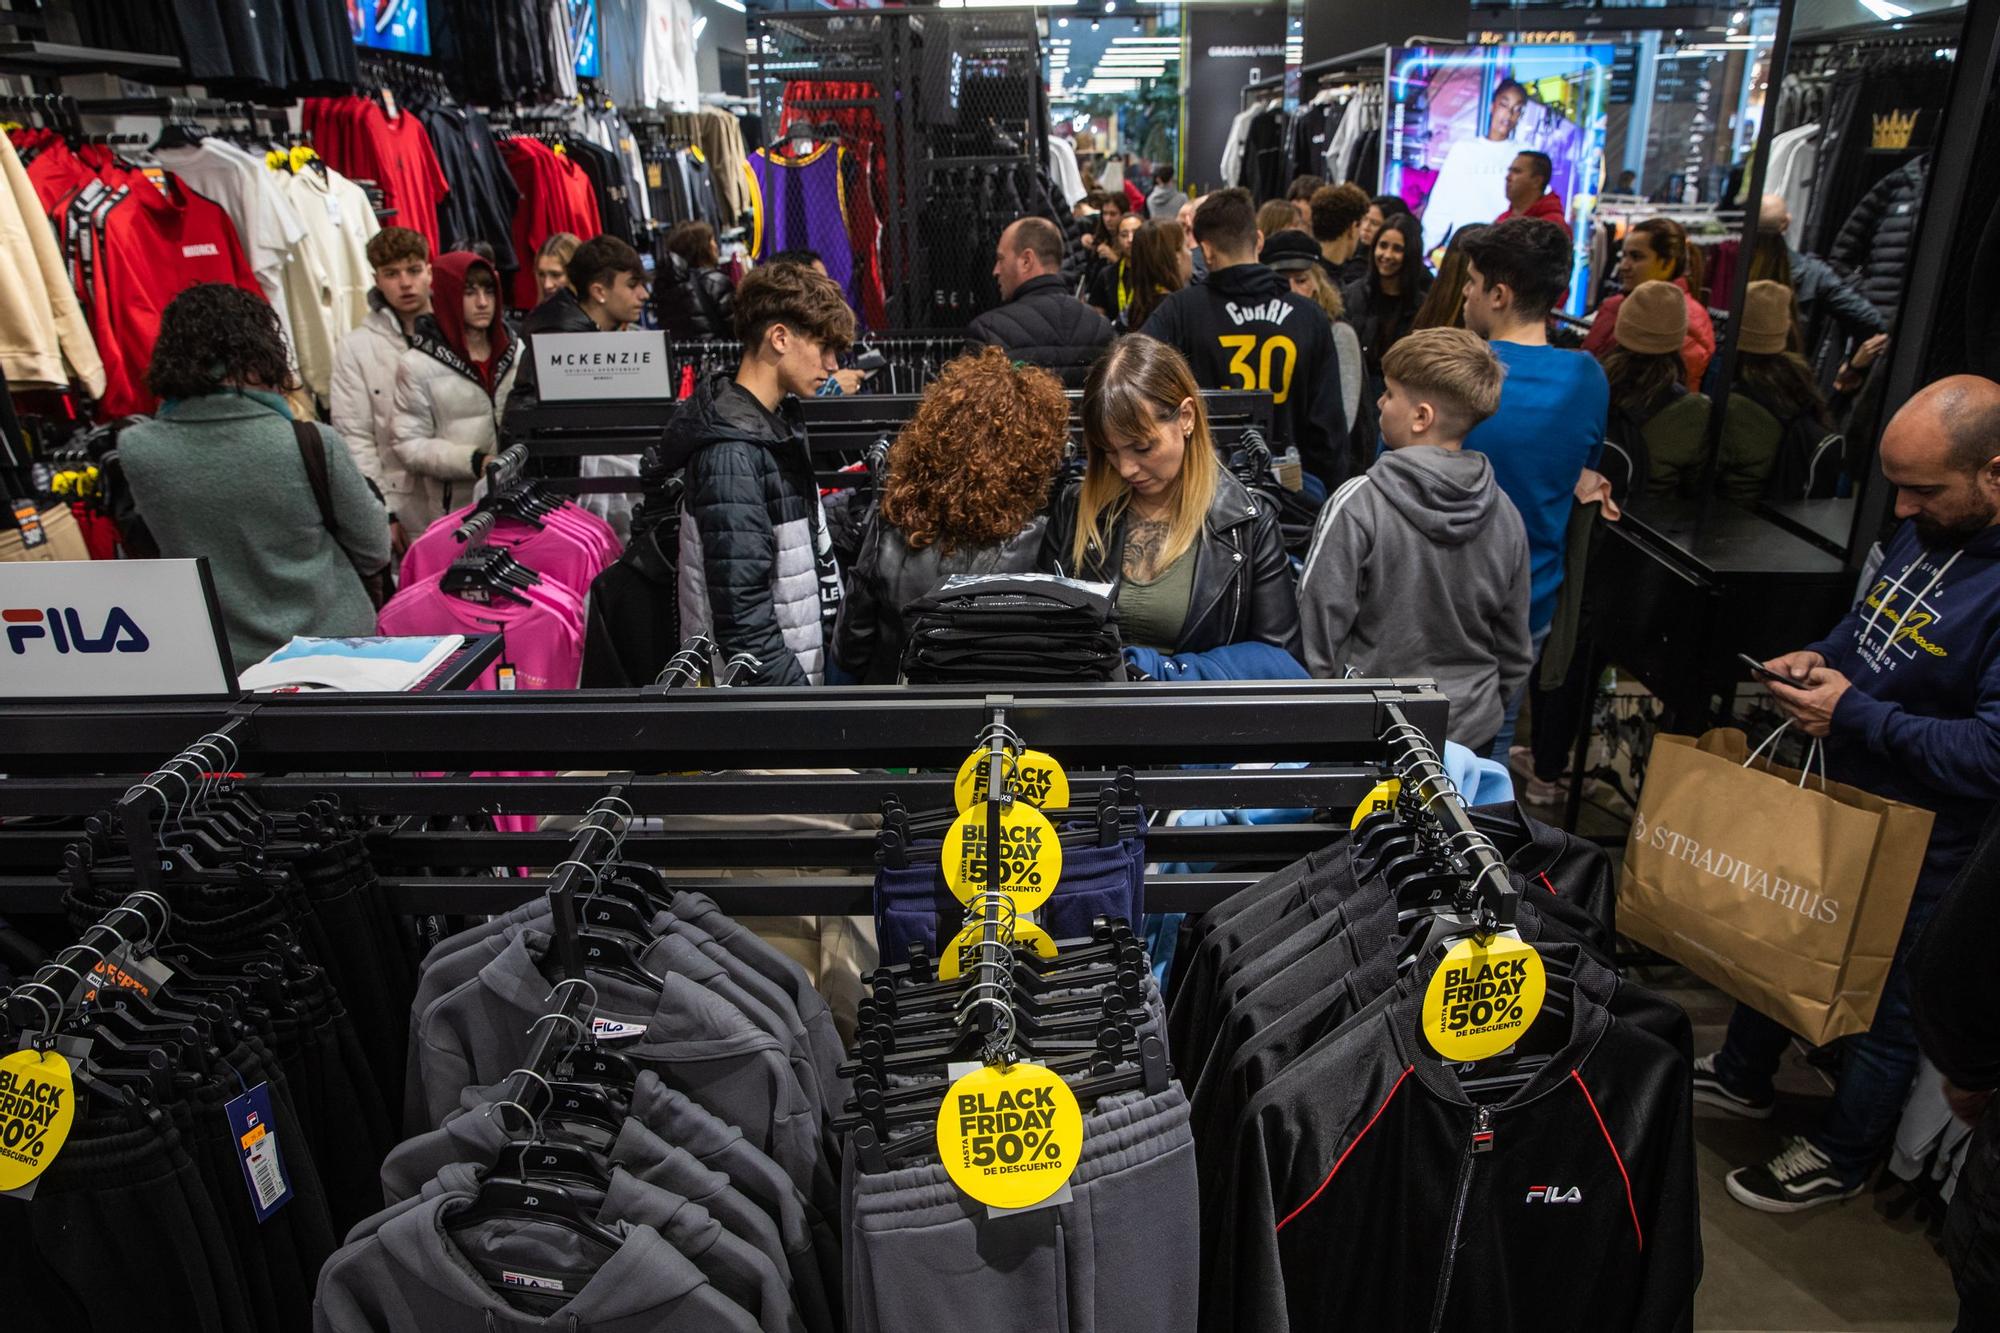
x,y
41,324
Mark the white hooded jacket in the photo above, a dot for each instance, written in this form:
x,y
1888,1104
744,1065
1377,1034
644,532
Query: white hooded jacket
x,y
364,399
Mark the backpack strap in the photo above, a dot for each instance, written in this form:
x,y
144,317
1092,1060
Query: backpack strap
x,y
312,453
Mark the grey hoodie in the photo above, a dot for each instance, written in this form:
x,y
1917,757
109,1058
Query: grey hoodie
x,y
415,1275
1419,567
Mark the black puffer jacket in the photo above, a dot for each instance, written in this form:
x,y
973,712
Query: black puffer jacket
x,y
1045,326
1877,239
757,571
868,644
692,302
1244,589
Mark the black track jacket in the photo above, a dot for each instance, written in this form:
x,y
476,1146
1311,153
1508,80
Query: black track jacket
x,y
1362,1198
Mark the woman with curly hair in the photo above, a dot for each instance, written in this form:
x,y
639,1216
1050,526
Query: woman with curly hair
x,y
967,480
222,472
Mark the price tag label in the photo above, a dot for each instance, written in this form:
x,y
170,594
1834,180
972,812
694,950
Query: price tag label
x,y
959,954
1032,776
1029,855
1483,997
29,519
250,1125
37,1105
1380,799
1010,1137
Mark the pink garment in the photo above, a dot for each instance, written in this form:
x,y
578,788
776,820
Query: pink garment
x,y
542,640
573,548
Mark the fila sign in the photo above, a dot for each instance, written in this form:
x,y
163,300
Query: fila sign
x,y
111,629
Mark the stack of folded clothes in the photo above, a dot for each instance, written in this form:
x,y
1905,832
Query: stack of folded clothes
x,y
1013,627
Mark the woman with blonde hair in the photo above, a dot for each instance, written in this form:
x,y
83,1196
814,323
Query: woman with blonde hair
x,y
1161,266
966,483
1197,559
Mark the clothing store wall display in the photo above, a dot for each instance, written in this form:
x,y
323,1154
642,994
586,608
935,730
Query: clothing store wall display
x,y
362,140
847,106
149,245
482,196
649,52
232,46
44,338
555,195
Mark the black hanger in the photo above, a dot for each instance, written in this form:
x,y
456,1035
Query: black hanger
x,y
501,1196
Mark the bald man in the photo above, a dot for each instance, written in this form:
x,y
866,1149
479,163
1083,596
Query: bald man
x,y
1039,321
1906,693
1821,292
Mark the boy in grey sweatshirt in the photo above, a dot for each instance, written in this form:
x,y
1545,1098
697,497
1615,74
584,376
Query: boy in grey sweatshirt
x,y
1419,567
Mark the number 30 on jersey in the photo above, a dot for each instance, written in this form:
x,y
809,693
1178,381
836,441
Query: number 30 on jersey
x,y
1245,347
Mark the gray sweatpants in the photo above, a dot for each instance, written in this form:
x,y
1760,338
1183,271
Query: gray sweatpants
x,y
1120,1257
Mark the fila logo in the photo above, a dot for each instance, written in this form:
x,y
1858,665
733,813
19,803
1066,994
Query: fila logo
x,y
205,250
1554,1194
62,627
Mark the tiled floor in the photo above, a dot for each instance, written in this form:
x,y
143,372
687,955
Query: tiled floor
x,y
1847,1266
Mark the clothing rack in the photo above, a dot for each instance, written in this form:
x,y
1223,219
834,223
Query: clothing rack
x,y
321,746
102,937
1488,891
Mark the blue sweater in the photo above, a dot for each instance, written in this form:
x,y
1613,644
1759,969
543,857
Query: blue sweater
x,y
1549,428
1922,722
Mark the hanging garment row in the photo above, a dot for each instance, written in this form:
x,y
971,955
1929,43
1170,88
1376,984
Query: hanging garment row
x,y
239,206
1339,1024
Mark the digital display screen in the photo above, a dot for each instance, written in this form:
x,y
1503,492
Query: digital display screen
x,y
1458,116
402,26
583,37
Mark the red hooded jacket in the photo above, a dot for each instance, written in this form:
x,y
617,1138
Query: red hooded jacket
x,y
448,281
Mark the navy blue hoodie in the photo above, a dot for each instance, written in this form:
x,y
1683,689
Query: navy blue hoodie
x,y
1922,721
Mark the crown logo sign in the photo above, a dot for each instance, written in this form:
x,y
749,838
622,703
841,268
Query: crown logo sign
x,y
1893,130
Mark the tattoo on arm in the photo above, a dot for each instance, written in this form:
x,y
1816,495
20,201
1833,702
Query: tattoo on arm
x,y
1145,543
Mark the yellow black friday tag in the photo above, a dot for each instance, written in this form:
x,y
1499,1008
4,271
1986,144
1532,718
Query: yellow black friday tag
x,y
1381,797
37,1105
1010,1137
1483,997
1029,857
1032,776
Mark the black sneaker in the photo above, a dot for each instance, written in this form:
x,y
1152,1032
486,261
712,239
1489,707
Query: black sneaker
x,y
1710,1090
1796,1179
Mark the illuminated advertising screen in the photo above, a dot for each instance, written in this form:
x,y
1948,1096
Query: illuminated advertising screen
x,y
1458,116
402,26
583,37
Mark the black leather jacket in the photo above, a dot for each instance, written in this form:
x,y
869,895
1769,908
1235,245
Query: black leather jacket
x,y
1244,589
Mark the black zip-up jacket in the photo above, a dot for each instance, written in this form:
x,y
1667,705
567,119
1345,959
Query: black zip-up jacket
x,y
1880,234
1364,1198
1245,329
633,627
1244,589
1045,326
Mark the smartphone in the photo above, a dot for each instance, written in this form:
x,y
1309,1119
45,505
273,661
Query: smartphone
x,y
1762,672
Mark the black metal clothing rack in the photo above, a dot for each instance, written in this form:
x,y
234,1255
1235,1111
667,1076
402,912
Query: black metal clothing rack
x,y
298,748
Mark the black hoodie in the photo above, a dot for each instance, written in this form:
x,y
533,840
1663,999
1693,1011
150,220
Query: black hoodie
x,y
1245,329
757,571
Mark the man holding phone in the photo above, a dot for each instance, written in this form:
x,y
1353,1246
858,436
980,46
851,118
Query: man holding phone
x,y
1906,693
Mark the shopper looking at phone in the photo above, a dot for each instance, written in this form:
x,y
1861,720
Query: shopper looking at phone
x,y
1905,692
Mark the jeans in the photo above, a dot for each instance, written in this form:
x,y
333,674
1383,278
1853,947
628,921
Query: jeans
x,y
1505,740
1877,1067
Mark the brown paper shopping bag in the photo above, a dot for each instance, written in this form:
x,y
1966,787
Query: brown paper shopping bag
x,y
1782,889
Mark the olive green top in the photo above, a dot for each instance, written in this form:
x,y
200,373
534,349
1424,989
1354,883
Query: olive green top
x,y
1150,615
